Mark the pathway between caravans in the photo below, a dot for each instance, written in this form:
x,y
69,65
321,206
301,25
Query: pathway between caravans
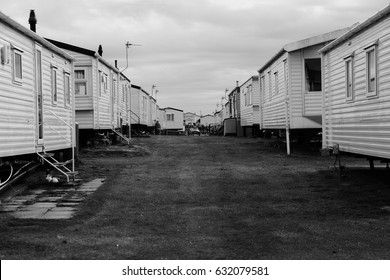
x,y
50,202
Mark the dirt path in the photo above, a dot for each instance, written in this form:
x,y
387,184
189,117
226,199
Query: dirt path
x,y
214,198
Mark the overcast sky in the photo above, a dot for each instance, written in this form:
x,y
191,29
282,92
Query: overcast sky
x,y
191,50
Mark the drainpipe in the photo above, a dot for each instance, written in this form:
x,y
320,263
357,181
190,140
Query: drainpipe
x,y
286,109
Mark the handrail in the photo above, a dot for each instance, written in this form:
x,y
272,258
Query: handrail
x,y
58,117
56,131
131,112
72,136
121,135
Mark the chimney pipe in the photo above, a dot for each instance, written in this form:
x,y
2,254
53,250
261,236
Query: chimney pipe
x,y
32,21
116,64
237,83
100,50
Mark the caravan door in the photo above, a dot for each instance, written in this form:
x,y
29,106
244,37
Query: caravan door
x,y
38,95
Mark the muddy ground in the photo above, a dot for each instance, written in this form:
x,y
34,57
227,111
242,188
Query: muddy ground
x,y
178,197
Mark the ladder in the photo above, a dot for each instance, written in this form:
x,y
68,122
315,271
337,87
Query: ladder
x,y
59,166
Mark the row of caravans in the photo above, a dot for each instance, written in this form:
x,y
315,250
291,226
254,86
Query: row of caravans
x,y
51,92
336,84
285,96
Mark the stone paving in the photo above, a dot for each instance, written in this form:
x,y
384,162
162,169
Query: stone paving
x,y
49,202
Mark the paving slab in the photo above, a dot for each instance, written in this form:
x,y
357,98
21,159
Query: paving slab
x,y
59,213
50,198
23,198
31,214
9,208
50,203
68,204
39,205
37,191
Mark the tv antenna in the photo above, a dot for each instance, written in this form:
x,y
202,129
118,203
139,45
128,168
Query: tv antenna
x,y
128,45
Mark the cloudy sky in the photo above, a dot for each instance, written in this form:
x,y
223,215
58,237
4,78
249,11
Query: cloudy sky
x,y
191,50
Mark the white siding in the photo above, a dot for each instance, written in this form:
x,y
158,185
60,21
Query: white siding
x,y
17,114
177,122
250,106
361,126
272,103
18,118
57,135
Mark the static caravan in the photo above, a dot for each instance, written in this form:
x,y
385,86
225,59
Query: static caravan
x,y
291,88
139,108
250,106
207,120
161,118
174,119
232,122
96,90
36,94
124,96
152,116
190,118
356,113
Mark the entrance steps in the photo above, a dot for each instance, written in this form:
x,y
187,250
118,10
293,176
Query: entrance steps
x,y
61,167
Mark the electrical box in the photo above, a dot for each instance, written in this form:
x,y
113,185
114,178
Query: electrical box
x,y
5,52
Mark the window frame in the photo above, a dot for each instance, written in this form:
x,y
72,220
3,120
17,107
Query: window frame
x,y
16,79
54,84
170,117
349,64
276,81
307,87
368,50
270,85
78,81
67,90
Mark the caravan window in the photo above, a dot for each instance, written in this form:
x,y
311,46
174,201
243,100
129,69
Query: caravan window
x,y
54,84
80,82
67,88
313,74
276,77
170,117
18,66
371,71
349,78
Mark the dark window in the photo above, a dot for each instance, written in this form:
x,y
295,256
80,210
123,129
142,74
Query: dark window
x,y
313,74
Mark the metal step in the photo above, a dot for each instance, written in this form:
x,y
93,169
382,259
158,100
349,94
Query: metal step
x,y
43,154
62,163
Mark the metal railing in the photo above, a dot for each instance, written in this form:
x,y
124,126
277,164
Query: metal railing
x,y
71,136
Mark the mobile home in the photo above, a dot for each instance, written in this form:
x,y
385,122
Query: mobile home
x,y
173,119
152,116
356,115
125,104
291,88
232,121
140,107
191,118
36,93
96,91
250,104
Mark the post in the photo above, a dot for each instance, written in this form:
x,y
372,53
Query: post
x,y
288,141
